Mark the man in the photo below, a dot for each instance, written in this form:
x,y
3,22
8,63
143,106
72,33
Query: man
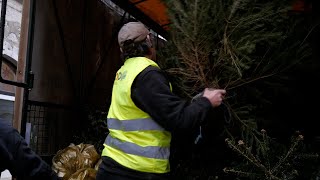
x,y
144,112
19,159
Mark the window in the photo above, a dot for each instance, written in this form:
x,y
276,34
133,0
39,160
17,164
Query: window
x,y
6,107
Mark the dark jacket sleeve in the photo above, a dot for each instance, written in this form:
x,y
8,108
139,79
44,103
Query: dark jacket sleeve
x,y
18,158
151,93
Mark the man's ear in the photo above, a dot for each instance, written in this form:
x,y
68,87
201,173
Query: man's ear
x,y
149,41
121,50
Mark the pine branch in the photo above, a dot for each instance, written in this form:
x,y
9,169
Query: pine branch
x,y
289,153
243,151
240,173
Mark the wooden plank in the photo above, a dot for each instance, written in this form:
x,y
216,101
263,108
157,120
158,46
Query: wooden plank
x,y
20,74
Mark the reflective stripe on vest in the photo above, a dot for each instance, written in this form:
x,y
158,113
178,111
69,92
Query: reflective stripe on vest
x,y
131,148
134,125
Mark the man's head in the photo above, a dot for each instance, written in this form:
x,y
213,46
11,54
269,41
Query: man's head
x,y
134,40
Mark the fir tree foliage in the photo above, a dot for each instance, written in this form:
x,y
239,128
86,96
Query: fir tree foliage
x,y
242,46
227,44
270,160
233,45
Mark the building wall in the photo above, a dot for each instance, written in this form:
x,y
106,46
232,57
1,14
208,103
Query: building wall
x,y
8,73
12,28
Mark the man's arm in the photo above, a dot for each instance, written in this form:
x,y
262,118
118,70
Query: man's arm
x,y
151,93
18,158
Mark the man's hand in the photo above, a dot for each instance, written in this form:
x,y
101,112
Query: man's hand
x,y
215,96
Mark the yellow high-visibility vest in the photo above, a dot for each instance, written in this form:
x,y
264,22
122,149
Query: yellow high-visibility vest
x,y
135,140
